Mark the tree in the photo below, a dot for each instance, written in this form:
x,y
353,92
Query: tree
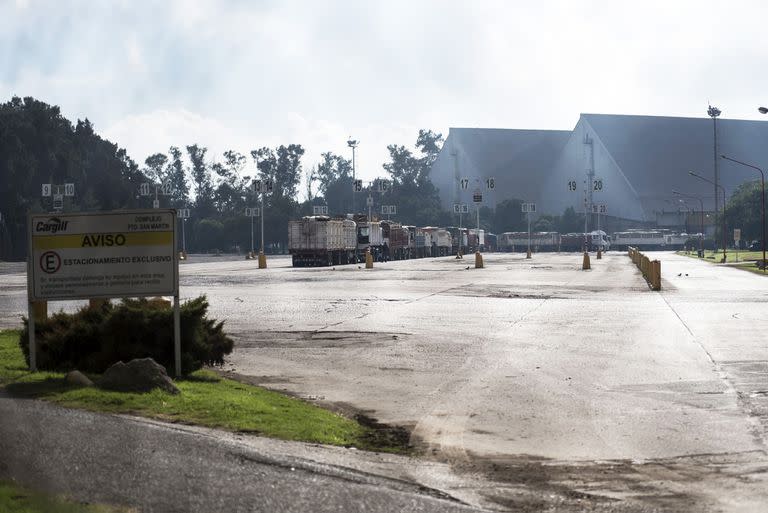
x,y
38,145
334,178
177,178
570,222
744,209
201,180
412,192
509,217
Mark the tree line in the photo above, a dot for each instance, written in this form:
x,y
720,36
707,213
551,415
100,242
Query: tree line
x,y
38,145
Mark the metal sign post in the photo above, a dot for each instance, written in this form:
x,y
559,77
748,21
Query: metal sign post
x,y
528,208
183,214
252,212
263,187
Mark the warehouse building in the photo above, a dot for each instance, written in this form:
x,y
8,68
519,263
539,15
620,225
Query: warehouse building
x,y
628,164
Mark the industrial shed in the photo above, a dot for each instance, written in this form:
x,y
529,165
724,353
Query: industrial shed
x,y
639,160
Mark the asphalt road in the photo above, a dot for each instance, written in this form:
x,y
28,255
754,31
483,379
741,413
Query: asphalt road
x,y
161,468
540,384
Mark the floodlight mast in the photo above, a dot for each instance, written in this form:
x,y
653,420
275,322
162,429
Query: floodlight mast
x,y
714,112
352,143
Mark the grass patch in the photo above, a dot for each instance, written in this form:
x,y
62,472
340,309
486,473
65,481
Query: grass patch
x,y
748,257
16,499
206,399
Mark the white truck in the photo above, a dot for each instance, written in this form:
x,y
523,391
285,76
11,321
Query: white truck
x,y
319,241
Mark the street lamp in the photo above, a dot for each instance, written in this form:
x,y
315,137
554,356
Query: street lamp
x,y
714,112
701,217
762,183
725,245
352,143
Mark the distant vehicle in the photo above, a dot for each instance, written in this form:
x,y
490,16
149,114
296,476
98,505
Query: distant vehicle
x,y
319,241
540,241
650,239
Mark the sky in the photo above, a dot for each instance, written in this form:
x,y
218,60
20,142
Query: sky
x,y
238,74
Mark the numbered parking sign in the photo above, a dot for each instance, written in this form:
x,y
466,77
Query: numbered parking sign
x,y
490,183
357,186
257,185
166,189
573,186
144,189
46,190
69,189
182,213
383,185
464,183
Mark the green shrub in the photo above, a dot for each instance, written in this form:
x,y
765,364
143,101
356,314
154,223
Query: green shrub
x,y
92,339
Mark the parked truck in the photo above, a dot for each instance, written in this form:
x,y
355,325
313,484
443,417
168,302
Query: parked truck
x,y
321,241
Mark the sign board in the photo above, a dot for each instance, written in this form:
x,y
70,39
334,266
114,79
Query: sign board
x,y
144,189
383,185
464,183
58,202
737,234
490,183
599,208
369,201
166,189
182,213
262,185
357,186
156,203
477,197
597,184
46,190
460,208
251,212
116,254
69,189
572,186
320,210
529,207
389,210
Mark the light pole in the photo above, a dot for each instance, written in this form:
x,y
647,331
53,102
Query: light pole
x,y
714,112
762,202
701,213
352,143
725,245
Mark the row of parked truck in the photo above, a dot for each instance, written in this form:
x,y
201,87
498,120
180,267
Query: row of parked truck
x,y
321,241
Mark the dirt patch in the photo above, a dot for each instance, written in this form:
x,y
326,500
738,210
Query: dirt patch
x,y
699,483
384,436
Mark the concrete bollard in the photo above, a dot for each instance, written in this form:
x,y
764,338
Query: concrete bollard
x,y
528,254
368,259
182,255
656,275
599,254
478,260
585,262
262,260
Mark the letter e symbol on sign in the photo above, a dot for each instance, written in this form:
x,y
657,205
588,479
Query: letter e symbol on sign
x,y
50,262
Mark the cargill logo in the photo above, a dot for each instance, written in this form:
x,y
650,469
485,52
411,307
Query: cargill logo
x,y
52,225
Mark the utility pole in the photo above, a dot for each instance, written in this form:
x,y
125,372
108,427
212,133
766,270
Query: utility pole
x,y
352,143
714,112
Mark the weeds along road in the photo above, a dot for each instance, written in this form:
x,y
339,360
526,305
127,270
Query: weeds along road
x,y
544,379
